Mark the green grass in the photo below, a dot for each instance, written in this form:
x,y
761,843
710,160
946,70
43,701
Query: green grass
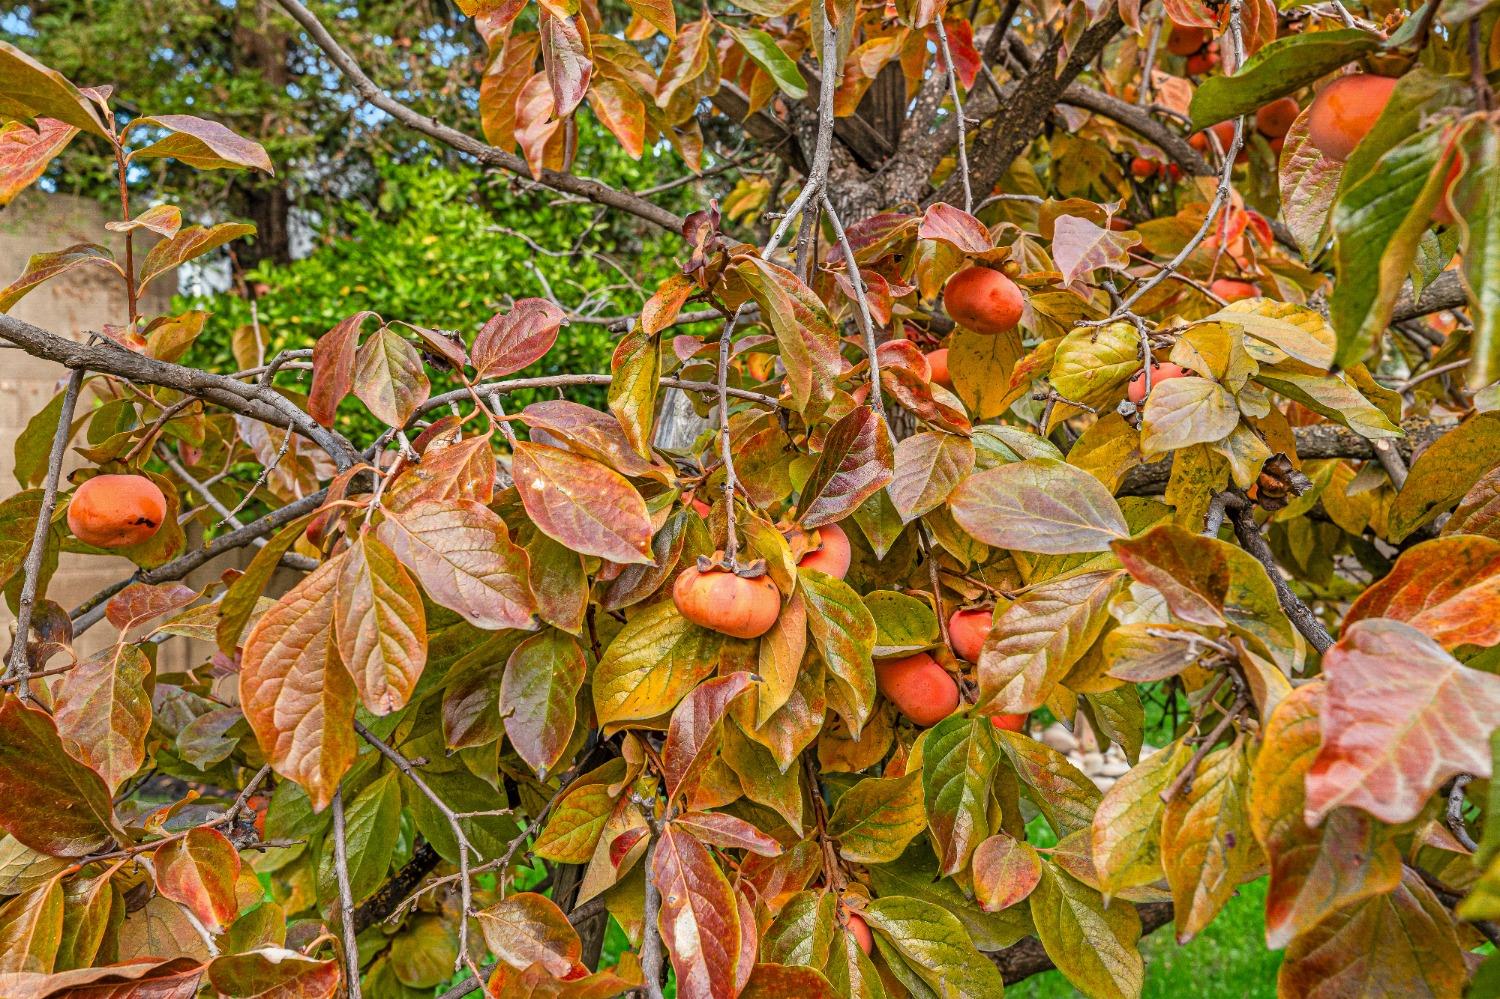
x,y
1229,960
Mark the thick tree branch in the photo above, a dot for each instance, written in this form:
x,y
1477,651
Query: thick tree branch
x,y
259,402
1326,440
1021,961
1446,292
1021,119
390,895
1141,122
583,187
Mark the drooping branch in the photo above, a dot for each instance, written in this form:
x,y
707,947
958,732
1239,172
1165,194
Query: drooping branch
x,y
583,187
259,402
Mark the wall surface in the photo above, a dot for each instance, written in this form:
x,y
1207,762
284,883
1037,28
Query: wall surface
x,y
69,306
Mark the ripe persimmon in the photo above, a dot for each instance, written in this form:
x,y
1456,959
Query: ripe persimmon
x,y
937,363
832,554
720,600
967,630
1160,372
1224,133
920,688
1233,289
1144,169
1009,723
1275,119
859,930
116,511
1203,62
983,300
1184,41
1344,112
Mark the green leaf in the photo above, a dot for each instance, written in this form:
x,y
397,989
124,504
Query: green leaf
x,y
372,822
915,875
1377,223
1126,827
655,659
1283,66
538,696
844,632
1096,948
958,761
1093,364
876,818
930,944
769,57
1476,196
1207,846
903,623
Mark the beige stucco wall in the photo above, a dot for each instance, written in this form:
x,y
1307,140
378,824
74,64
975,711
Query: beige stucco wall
x,y
68,305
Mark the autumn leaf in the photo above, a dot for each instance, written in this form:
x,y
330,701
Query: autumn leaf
x,y
1206,844
1040,505
1006,871
379,625
297,695
537,697
582,504
48,800
199,871
700,916
1447,588
1313,871
1400,716
526,928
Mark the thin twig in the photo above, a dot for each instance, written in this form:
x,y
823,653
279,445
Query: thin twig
x,y
1242,516
1455,812
866,322
464,847
19,664
346,895
958,113
1390,459
1183,783
651,944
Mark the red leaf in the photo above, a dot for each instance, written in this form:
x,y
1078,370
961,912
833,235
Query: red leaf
x,y
513,340
1400,717
461,470
1448,588
693,725
700,916
48,800
296,694
539,694
142,602
729,832
333,367
857,462
103,712
582,504
565,54
462,555
199,871
955,227
24,154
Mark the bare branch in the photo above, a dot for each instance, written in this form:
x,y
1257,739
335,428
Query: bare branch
x,y
583,187
259,402
20,662
346,896
1242,516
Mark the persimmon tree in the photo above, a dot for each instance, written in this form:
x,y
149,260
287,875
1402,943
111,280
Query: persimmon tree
x,y
1039,362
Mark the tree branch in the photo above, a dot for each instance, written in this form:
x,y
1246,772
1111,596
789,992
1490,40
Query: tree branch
x,y
1141,122
19,666
259,402
1021,961
1024,115
583,187
1444,292
1242,516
